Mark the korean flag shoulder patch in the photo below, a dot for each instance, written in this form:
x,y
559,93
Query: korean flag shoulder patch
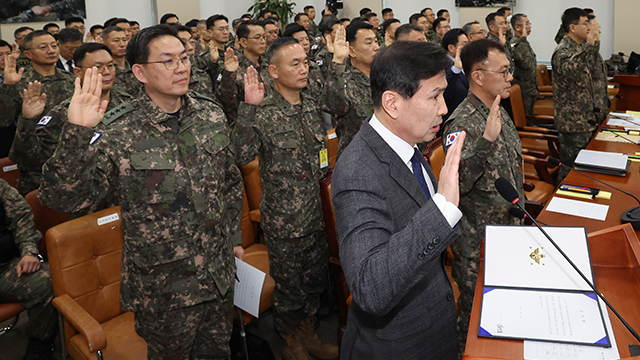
x,y
451,138
95,137
45,120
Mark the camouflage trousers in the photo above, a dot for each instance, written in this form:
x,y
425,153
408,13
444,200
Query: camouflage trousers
x,y
465,273
27,182
197,332
570,146
528,101
299,267
35,293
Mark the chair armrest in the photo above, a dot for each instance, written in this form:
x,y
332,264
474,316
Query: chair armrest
x,y
254,215
80,319
541,120
542,167
543,130
528,186
545,88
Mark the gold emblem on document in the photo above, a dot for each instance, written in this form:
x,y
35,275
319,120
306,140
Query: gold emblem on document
x,y
537,255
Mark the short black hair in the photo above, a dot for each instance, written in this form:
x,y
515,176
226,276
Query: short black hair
x,y
293,28
491,18
118,21
591,17
270,20
437,22
167,16
503,10
344,20
133,22
406,29
237,22
243,29
589,11
50,25
88,48
451,38
108,22
413,19
353,28
359,19
246,16
364,11
263,12
4,43
402,66
138,48
477,52
385,11
181,28
108,30
425,9
29,37
441,11
468,27
515,19
211,20
308,7
192,23
275,46
299,16
386,23
69,35
369,15
327,25
19,30
73,19
572,16
93,29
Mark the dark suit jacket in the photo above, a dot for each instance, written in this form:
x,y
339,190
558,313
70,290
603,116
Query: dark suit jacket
x,y
456,91
61,66
391,248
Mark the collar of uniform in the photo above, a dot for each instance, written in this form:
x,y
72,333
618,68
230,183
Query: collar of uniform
x,y
277,99
360,77
33,75
490,36
157,115
478,104
244,61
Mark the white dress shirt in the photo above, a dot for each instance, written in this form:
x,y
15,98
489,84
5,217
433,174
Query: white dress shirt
x,y
64,63
454,69
405,152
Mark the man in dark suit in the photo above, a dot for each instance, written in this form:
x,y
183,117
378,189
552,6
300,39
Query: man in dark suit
x,y
68,41
457,83
394,222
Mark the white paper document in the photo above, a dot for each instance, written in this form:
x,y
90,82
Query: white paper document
x,y
542,350
249,281
625,120
542,315
578,208
522,257
602,159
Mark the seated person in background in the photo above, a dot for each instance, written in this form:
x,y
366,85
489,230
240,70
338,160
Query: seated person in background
x,y
410,32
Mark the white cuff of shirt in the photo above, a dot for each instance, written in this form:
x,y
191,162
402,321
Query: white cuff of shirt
x,y
455,70
448,210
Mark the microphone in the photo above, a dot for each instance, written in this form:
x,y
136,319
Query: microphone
x,y
510,194
519,214
631,216
595,123
622,54
618,96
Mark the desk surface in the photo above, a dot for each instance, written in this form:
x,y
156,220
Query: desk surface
x,y
608,280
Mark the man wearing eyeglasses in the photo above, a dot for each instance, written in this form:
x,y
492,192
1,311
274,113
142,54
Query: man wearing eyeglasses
x,y
48,130
57,85
474,31
230,91
69,40
172,164
492,149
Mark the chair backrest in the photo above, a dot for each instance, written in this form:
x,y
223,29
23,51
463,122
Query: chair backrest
x,y
332,146
85,259
252,183
436,157
329,215
544,78
44,217
9,171
517,106
248,233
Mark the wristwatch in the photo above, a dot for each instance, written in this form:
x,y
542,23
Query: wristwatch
x,y
31,14
38,256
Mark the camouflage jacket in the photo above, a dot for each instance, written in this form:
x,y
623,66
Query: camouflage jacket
x,y
203,62
437,40
288,140
127,82
19,218
230,90
431,34
481,164
201,83
347,96
179,190
23,62
573,86
48,134
600,88
524,60
507,47
58,88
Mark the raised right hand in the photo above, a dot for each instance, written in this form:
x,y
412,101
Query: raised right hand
x,y
494,125
33,102
253,88
458,61
11,76
85,108
340,46
448,185
231,63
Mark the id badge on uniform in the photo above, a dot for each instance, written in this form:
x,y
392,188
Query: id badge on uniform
x,y
324,158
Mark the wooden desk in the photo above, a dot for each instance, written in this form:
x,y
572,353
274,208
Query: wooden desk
x,y
620,284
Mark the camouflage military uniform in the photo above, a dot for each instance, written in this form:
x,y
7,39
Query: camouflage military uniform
x,y
289,140
559,35
58,88
127,82
32,290
574,100
48,134
68,8
230,90
507,47
201,83
180,194
431,34
23,62
437,40
315,39
347,96
481,163
203,62
525,72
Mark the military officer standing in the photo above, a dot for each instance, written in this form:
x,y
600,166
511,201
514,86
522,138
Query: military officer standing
x,y
524,61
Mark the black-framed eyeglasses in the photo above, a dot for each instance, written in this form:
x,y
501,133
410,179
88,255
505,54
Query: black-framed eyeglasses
x,y
505,73
172,64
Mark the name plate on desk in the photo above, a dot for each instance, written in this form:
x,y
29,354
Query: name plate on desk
x,y
602,162
531,292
